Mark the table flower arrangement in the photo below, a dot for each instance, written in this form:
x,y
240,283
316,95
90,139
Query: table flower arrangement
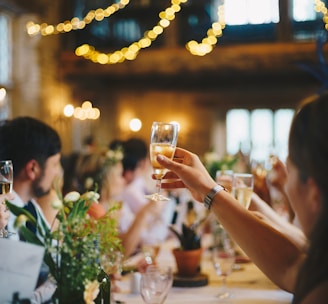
x,y
73,251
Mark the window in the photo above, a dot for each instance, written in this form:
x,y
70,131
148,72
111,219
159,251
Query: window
x,y
5,49
5,62
303,10
258,20
260,132
238,12
306,21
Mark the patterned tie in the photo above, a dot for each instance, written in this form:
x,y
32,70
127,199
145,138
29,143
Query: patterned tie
x,y
30,207
44,271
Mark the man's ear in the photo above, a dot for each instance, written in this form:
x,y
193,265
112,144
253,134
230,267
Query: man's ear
x,y
32,169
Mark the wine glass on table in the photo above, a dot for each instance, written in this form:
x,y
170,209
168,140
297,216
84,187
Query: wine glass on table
x,y
155,284
163,140
242,188
223,258
6,186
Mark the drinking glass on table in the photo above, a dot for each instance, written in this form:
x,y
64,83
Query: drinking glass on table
x,y
155,284
6,186
163,140
223,258
242,188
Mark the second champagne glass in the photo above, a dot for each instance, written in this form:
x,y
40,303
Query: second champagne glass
x,y
242,188
163,140
6,186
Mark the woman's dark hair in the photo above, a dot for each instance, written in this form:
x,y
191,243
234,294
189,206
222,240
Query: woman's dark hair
x,y
135,150
308,151
24,138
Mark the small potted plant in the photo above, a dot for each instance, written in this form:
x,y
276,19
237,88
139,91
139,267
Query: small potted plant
x,y
188,254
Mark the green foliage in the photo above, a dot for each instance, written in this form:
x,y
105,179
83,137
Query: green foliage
x,y
73,251
188,238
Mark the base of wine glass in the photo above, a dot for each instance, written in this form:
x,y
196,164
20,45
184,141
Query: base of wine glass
x,y
157,197
224,293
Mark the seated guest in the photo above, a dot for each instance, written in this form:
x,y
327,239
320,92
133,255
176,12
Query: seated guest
x,y
136,164
34,148
103,173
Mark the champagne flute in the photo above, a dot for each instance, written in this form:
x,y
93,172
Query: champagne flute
x,y
223,258
155,284
6,186
242,188
163,140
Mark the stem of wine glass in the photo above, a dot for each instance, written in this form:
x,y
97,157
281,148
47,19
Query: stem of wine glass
x,y
158,185
224,283
224,293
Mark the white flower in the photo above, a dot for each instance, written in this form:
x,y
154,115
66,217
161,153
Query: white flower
x,y
72,196
57,204
91,291
91,196
20,221
110,154
114,156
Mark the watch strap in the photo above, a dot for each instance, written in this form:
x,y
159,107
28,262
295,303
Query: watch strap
x,y
210,196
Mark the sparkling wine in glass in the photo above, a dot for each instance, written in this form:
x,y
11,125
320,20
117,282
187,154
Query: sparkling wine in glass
x,y
242,188
163,140
6,186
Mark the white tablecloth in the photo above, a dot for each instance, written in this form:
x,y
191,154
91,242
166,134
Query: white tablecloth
x,y
248,285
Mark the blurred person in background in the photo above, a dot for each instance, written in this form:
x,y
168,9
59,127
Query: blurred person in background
x,y
136,165
103,172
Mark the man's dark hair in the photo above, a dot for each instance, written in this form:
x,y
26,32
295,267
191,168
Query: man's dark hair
x,y
24,138
135,150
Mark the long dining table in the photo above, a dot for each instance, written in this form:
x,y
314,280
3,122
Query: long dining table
x,y
247,284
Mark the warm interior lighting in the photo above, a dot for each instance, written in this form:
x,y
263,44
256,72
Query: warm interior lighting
x,y
176,123
86,111
130,53
68,110
3,94
135,124
75,23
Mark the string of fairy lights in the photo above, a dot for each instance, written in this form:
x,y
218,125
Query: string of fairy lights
x,y
130,52
320,7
